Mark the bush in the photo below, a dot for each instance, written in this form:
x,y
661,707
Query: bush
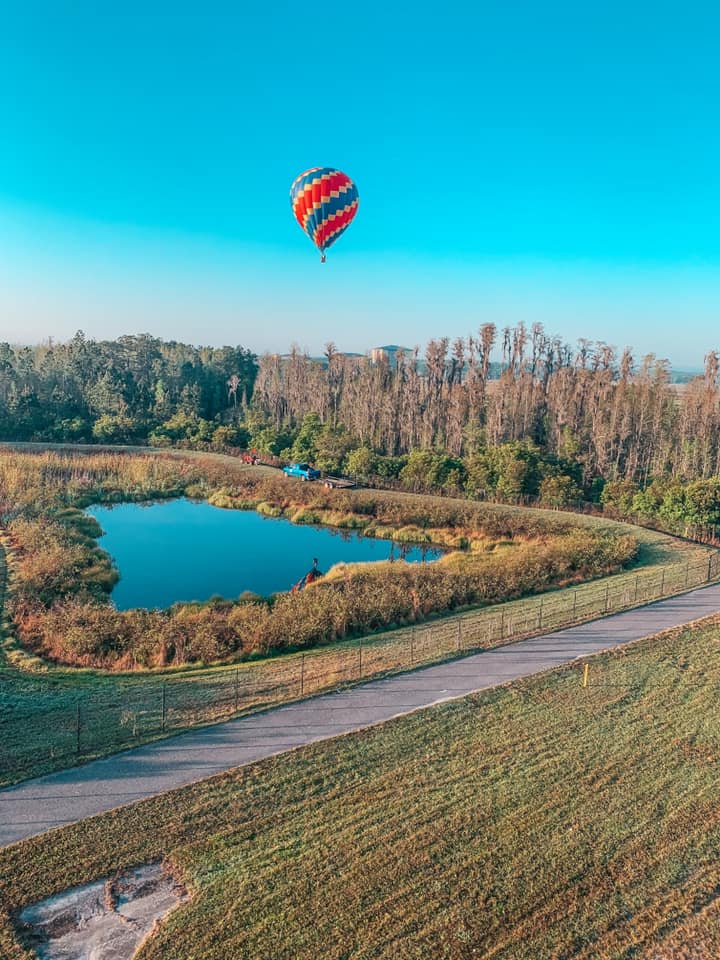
x,y
269,509
559,491
59,600
619,495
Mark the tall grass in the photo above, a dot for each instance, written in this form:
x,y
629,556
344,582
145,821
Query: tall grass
x,y
59,598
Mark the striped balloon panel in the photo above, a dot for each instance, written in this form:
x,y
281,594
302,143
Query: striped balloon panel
x,y
324,202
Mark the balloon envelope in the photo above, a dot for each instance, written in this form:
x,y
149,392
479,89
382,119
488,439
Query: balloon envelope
x,y
324,201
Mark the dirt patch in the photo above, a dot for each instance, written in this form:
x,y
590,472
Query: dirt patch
x,y
104,920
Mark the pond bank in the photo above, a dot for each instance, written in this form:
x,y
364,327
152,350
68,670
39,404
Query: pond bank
x,y
185,550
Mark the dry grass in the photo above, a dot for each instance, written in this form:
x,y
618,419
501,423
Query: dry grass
x,y
40,704
59,602
533,821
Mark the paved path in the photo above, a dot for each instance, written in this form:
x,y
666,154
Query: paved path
x,y
38,805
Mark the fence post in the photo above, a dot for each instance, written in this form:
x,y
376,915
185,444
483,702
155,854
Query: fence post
x,y
709,576
574,604
360,660
687,573
662,583
459,635
607,597
412,645
637,584
77,728
540,614
302,674
237,688
502,623
163,707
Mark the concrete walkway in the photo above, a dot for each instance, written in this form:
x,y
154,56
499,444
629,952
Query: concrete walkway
x,y
39,805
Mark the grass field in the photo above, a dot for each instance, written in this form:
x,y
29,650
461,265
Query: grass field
x,y
540,820
52,717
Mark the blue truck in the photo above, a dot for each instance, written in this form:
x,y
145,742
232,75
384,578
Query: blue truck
x,y
302,470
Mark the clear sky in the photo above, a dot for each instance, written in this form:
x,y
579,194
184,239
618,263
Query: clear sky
x,y
551,161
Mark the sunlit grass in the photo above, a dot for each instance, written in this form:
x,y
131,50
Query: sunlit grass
x,y
532,821
41,703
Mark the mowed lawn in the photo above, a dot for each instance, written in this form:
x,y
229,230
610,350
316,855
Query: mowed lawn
x,y
40,702
540,820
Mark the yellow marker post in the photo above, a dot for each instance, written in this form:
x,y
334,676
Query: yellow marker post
x,y
585,674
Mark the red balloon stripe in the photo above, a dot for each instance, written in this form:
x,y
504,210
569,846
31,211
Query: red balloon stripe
x,y
336,222
318,192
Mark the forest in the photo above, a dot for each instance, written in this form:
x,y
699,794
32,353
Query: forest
x,y
136,389
550,423
611,416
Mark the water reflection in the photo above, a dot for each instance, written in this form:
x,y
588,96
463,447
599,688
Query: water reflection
x,y
183,550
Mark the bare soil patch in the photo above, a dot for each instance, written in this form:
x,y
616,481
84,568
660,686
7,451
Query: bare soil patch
x,y
104,920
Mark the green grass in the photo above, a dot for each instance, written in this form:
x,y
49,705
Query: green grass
x,y
532,821
39,702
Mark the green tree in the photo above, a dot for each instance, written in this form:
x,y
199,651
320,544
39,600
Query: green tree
x,y
673,508
332,446
647,502
115,428
481,475
432,469
559,491
227,435
619,494
304,448
702,502
361,462
271,440
517,468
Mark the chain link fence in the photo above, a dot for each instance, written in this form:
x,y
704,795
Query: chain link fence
x,y
146,707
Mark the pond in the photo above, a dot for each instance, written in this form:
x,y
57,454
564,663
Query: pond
x,y
183,550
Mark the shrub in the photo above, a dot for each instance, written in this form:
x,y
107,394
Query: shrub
x,y
59,601
269,509
559,491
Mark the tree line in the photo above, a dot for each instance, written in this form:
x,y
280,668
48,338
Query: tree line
x,y
131,390
549,422
574,417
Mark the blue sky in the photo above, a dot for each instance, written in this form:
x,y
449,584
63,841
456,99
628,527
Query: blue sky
x,y
552,162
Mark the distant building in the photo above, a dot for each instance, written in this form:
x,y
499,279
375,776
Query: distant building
x,y
388,353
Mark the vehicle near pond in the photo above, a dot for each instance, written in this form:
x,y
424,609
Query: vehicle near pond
x,y
338,483
302,470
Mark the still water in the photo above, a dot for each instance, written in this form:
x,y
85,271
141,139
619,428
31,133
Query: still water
x,y
185,550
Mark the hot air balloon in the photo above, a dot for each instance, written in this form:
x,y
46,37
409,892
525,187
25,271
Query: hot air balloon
x,y
324,201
